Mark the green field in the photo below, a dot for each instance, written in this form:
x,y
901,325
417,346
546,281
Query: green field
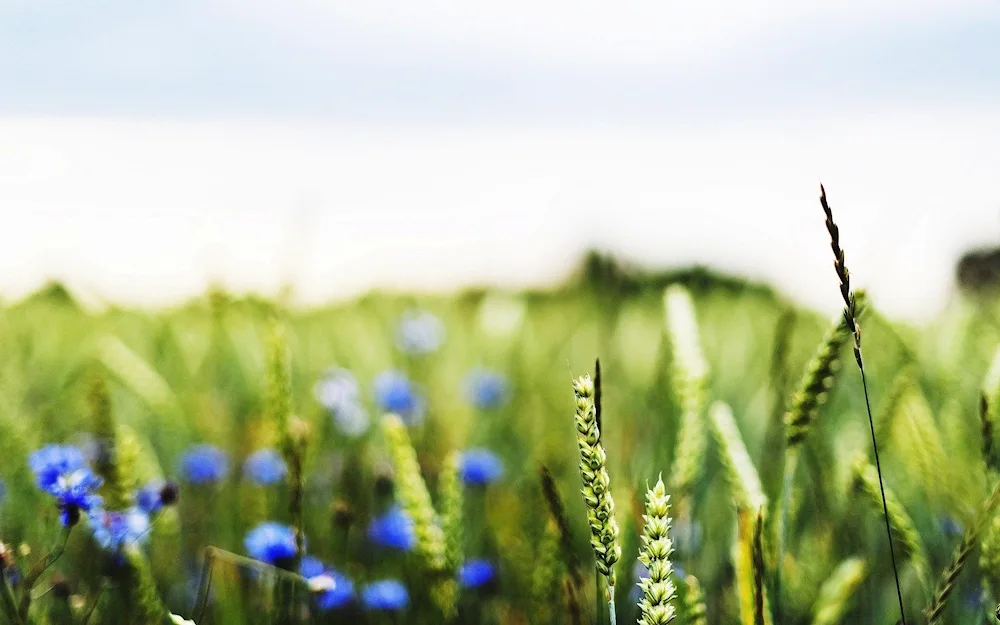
x,y
135,389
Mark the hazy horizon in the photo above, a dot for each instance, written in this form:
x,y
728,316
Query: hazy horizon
x,y
145,154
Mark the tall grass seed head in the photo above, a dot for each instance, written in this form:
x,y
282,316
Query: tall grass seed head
x,y
658,588
204,464
596,483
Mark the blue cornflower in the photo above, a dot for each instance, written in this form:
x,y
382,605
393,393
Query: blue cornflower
x,y
271,542
395,393
339,393
486,389
419,333
3,490
61,472
480,466
265,467
52,462
114,531
393,529
387,594
148,497
202,464
476,573
333,589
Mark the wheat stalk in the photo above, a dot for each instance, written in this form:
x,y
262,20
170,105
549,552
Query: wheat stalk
x,y
837,590
688,376
740,471
850,319
596,487
946,583
658,591
866,479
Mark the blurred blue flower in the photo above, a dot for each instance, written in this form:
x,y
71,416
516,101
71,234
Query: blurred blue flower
x,y
333,589
387,594
52,462
202,464
395,393
61,472
148,498
271,542
476,573
394,529
114,531
3,491
265,467
486,389
419,333
338,392
480,466
950,526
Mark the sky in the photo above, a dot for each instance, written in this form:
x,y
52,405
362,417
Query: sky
x,y
149,149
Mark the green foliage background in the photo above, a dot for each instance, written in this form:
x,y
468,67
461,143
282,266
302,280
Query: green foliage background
x,y
196,373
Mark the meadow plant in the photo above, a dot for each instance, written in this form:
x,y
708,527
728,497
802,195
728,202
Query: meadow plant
x,y
596,487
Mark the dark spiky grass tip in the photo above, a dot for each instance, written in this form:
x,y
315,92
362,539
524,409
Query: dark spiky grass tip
x,y
758,568
986,420
598,394
850,304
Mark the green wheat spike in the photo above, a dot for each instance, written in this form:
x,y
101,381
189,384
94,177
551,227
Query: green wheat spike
x,y
695,610
114,457
596,486
688,374
414,498
816,383
949,577
658,591
837,592
866,479
740,470
452,498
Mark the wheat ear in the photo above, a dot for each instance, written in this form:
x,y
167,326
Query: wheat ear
x,y
596,487
850,318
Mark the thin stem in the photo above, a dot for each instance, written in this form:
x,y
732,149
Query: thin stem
x,y
9,603
36,572
611,605
791,464
597,596
885,507
204,586
93,606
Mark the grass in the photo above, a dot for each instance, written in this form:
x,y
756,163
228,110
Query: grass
x,y
204,372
